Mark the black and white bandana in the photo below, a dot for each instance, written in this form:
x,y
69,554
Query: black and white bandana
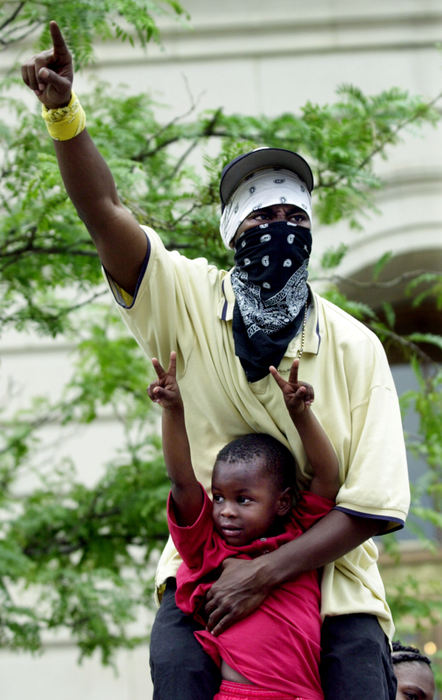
x,y
270,285
261,189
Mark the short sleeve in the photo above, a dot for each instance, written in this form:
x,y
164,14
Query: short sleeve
x,y
310,508
173,297
191,540
377,484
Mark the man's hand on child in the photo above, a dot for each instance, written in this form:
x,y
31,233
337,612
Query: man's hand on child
x,y
165,390
297,395
239,591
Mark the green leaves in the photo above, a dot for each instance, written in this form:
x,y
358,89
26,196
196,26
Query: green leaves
x,y
85,553
82,554
430,284
83,21
44,248
333,256
409,603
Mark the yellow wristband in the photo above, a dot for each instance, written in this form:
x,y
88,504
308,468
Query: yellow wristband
x,y
65,122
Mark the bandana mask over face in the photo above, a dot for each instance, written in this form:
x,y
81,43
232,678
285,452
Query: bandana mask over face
x,y
270,285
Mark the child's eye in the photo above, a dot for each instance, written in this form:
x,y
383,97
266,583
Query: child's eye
x,y
217,498
244,499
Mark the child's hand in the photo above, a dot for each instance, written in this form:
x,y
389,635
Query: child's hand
x,y
165,389
298,396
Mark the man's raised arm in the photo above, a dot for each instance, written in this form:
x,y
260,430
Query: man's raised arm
x,y
120,242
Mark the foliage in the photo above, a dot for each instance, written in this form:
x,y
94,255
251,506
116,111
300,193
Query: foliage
x,y
83,21
78,556
156,182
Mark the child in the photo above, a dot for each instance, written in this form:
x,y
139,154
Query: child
x,y
274,652
415,680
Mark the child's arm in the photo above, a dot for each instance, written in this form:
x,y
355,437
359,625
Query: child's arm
x,y
186,491
298,397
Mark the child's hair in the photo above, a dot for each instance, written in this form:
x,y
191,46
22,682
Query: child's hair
x,y
407,654
280,464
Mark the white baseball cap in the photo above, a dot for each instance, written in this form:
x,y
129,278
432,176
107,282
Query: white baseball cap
x,y
248,163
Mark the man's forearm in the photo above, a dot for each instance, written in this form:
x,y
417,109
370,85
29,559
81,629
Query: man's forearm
x,y
120,242
243,585
330,538
86,176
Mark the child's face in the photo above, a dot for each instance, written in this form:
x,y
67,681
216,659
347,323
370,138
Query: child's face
x,y
415,681
246,503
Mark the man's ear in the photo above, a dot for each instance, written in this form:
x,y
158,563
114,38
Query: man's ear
x,y
285,502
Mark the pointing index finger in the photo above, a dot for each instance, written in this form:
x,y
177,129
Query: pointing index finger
x,y
60,48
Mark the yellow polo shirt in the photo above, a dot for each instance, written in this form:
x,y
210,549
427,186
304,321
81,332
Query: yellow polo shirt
x,y
187,306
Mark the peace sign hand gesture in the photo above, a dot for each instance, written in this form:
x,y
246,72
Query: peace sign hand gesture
x,y
298,396
165,389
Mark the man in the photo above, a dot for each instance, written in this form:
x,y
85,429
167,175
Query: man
x,y
227,328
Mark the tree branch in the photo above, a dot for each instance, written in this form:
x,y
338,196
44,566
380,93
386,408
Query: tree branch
x,y
381,145
370,284
12,17
401,340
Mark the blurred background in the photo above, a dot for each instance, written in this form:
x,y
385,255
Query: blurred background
x,y
257,59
